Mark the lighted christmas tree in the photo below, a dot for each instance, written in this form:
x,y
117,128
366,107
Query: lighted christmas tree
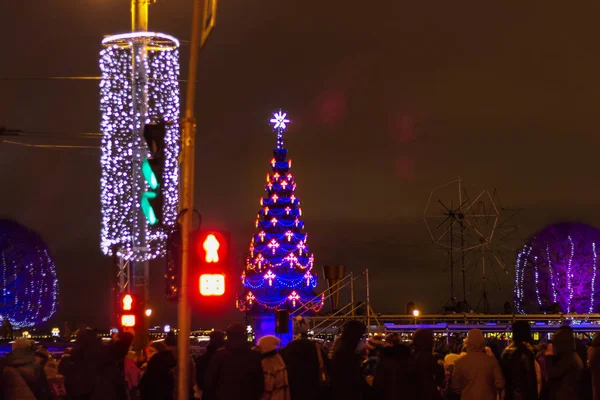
x,y
279,269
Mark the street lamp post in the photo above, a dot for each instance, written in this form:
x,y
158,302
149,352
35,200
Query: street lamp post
x,y
203,20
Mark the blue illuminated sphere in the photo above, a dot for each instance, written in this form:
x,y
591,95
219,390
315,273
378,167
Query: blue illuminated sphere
x,y
558,270
28,282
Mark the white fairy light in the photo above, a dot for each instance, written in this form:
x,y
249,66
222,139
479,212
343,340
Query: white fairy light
x,y
593,288
570,275
517,294
537,287
119,189
551,273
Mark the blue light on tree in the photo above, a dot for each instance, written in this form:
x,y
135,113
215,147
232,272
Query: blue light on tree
x,y
279,269
28,276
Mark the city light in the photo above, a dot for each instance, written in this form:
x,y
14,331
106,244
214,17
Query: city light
x,y
148,312
416,313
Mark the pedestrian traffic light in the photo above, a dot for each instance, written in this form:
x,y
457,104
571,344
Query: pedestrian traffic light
x,y
173,267
128,311
151,201
210,259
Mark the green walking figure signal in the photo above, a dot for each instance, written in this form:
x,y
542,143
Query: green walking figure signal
x,y
152,171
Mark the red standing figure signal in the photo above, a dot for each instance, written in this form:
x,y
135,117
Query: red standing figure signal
x,y
210,257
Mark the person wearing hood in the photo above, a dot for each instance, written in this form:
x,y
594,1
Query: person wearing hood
x,y
306,361
215,343
476,375
235,372
23,377
347,378
564,366
394,374
276,377
429,374
518,365
157,382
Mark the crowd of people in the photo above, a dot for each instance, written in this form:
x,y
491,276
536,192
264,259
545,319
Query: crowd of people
x,y
354,367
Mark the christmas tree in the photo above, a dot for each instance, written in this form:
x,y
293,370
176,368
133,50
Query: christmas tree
x,y
279,269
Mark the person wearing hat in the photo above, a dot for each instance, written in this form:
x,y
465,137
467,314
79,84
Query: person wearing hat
x,y
476,375
308,366
158,381
235,372
276,377
518,365
23,377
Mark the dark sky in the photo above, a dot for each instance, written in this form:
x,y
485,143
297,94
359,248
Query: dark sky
x,y
388,100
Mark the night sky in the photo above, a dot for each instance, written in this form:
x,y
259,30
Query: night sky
x,y
388,100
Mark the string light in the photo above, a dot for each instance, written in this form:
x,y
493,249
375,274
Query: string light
x,y
121,148
516,292
561,271
593,288
570,275
278,271
29,280
537,276
551,273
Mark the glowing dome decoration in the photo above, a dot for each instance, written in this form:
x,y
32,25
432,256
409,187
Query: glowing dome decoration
x,y
28,277
139,85
557,270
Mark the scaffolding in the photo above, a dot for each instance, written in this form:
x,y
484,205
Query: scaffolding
x,y
350,311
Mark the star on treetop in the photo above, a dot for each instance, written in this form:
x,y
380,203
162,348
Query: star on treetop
x,y
279,120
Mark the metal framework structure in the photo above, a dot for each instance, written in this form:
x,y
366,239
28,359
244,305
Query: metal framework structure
x,y
351,310
468,227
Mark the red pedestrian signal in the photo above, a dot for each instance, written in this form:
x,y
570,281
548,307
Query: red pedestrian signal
x,y
127,312
127,302
212,284
210,261
211,248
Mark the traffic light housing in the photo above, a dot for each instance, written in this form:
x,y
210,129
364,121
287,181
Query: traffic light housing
x,y
128,311
173,267
210,261
152,200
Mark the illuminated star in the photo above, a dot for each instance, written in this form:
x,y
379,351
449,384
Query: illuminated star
x,y
279,121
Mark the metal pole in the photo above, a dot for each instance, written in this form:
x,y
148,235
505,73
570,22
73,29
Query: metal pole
x,y
368,299
139,15
352,293
187,203
139,269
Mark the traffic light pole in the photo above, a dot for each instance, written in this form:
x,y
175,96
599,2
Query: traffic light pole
x,y
139,269
187,203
